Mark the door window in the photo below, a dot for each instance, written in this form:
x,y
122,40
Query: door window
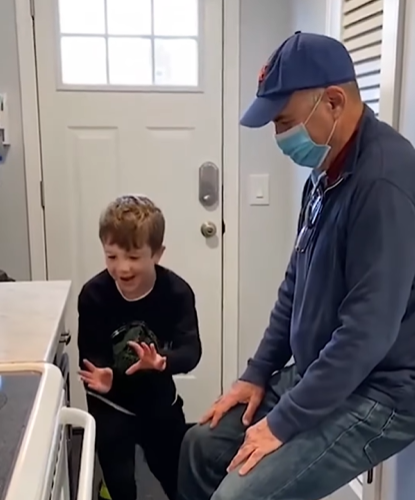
x,y
130,43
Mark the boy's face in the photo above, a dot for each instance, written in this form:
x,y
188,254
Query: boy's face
x,y
131,270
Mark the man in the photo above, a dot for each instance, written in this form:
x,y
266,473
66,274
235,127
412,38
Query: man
x,y
345,310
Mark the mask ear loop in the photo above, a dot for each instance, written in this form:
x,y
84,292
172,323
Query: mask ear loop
x,y
313,109
332,132
311,114
308,117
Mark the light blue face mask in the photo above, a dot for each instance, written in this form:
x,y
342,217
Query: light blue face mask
x,y
300,147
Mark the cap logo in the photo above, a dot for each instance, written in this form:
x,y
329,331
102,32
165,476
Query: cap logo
x,y
265,68
262,74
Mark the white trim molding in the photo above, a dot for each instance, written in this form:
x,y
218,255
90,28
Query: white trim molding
x,y
391,61
31,139
333,18
231,129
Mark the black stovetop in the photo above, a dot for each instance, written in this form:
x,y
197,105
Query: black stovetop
x,y
17,394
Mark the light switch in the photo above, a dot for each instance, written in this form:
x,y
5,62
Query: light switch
x,y
259,189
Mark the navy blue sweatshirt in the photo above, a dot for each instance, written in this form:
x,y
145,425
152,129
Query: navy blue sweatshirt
x,y
346,308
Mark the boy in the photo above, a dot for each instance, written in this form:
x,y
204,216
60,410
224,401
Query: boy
x,y
137,328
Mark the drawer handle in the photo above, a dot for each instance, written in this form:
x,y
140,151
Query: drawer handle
x,y
65,338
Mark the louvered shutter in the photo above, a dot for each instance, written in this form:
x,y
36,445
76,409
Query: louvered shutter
x,y
362,27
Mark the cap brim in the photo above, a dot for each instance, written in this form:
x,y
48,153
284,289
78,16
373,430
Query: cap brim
x,y
263,111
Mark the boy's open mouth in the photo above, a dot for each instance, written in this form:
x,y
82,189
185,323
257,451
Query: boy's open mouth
x,y
126,280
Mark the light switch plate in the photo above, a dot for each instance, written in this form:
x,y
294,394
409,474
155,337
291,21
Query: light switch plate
x,y
258,189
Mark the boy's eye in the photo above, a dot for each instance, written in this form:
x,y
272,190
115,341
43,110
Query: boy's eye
x,y
111,257
134,257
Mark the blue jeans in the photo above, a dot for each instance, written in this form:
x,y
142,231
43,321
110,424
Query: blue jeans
x,y
353,439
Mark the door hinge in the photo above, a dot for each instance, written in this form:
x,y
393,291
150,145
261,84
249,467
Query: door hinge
x,y
32,8
42,195
223,227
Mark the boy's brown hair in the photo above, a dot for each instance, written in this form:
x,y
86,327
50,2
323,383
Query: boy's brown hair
x,y
131,222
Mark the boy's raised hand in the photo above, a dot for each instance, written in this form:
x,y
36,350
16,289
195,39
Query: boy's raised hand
x,y
97,379
149,358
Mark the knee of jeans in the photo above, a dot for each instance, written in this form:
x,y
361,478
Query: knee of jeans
x,y
199,442
229,490
196,436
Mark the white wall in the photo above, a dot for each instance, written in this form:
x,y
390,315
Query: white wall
x,y
267,232
14,240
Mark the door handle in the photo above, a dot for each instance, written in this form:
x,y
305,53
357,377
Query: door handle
x,y
208,184
208,229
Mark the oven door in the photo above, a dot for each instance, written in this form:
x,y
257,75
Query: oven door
x,y
41,466
57,485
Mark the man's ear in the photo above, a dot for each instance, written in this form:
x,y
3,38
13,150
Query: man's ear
x,y
336,98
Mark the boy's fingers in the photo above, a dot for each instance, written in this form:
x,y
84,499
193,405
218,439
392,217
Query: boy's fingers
x,y
86,379
95,386
146,349
89,366
134,368
136,348
161,363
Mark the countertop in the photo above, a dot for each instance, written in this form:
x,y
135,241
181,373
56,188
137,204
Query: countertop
x,y
30,319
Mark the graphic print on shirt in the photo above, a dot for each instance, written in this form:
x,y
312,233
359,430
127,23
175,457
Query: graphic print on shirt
x,y
134,331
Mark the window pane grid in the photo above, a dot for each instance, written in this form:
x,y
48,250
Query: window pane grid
x,y
148,37
158,51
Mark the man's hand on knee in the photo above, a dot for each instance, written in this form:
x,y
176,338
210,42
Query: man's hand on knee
x,y
240,393
259,442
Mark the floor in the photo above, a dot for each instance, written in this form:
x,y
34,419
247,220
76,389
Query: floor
x,y
148,487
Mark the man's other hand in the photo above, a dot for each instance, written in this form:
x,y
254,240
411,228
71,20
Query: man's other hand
x,y
259,442
240,393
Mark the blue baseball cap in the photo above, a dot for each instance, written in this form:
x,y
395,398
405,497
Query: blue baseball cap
x,y
303,61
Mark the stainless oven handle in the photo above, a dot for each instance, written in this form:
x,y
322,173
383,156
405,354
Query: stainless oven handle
x,y
80,418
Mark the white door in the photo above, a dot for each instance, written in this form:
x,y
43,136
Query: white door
x,y
130,101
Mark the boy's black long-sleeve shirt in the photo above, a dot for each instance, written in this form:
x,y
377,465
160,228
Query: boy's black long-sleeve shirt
x,y
168,311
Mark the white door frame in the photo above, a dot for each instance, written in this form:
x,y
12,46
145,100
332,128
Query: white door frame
x,y
230,97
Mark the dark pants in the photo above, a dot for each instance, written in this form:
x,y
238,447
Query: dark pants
x,y
160,435
353,439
